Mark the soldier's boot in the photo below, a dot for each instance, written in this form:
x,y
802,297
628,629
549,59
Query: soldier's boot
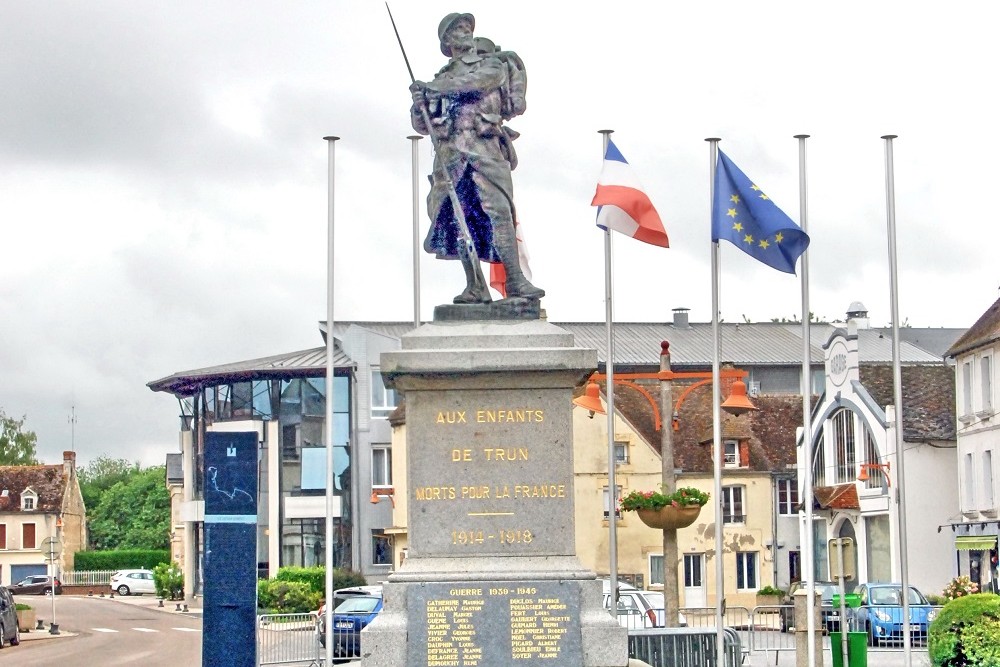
x,y
476,290
506,246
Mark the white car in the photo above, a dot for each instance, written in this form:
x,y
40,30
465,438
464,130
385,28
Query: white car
x,y
133,582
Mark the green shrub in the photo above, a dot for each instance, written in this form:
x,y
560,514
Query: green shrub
x,y
19,606
120,559
169,581
289,597
315,577
770,590
966,632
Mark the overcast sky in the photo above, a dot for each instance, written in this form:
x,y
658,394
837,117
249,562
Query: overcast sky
x,y
163,177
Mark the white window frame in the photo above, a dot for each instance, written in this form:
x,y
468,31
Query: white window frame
x,y
845,446
966,391
28,503
986,386
969,484
989,500
383,399
789,488
656,558
381,469
747,570
731,459
621,452
729,501
607,502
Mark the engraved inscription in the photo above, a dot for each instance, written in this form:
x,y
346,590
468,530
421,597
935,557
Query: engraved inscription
x,y
470,626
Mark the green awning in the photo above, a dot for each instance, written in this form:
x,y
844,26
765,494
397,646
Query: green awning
x,y
979,542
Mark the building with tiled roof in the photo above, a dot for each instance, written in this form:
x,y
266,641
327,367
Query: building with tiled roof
x,y
261,395
976,527
868,490
38,502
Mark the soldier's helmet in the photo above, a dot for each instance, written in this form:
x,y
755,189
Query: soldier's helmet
x,y
449,21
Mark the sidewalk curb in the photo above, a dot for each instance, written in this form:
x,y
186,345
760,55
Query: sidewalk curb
x,y
153,605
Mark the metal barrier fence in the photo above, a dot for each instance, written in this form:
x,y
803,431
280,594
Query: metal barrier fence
x,y
86,578
287,639
684,647
772,627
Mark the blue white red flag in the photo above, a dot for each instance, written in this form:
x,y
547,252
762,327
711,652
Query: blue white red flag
x,y
624,206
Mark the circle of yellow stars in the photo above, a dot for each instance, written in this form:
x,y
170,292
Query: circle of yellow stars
x,y
738,226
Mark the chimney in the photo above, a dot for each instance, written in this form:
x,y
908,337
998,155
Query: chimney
x,y
857,313
69,464
681,318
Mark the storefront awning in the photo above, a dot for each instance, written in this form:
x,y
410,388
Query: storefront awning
x,y
978,542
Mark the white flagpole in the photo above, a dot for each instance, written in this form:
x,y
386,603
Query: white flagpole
x,y
897,395
806,384
609,367
414,138
328,619
720,572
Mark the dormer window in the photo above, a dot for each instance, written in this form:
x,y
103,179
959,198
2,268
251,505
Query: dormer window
x,y
29,499
731,453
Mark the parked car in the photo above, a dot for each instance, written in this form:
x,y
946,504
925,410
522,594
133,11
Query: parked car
x,y
9,632
881,613
659,605
353,609
133,582
829,615
36,584
634,610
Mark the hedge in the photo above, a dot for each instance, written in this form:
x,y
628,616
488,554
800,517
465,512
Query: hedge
x,y
120,559
315,577
286,597
966,632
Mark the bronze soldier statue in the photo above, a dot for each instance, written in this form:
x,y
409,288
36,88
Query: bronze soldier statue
x,y
466,105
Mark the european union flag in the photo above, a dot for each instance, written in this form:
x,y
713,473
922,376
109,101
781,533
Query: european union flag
x,y
746,217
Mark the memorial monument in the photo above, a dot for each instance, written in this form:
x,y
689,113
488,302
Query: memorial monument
x,y
491,577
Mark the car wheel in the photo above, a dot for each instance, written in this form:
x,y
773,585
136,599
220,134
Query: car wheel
x,y
2,641
123,590
16,639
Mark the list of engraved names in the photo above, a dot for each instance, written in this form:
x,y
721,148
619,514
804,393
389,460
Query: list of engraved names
x,y
469,626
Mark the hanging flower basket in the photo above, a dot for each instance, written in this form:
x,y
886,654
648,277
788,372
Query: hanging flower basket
x,y
670,517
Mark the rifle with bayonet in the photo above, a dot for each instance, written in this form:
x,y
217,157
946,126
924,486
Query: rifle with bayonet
x,y
466,249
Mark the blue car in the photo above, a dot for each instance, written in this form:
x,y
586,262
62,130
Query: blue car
x,y
881,614
354,608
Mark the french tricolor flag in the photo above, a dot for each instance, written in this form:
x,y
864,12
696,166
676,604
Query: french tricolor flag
x,y
624,207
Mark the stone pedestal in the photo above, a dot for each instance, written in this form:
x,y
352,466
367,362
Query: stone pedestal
x,y
800,600
491,577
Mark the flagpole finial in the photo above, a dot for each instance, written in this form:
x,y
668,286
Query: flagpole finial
x,y
605,131
800,136
713,139
414,137
331,138
889,136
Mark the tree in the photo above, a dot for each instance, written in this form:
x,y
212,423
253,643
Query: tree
x,y
101,474
17,446
133,514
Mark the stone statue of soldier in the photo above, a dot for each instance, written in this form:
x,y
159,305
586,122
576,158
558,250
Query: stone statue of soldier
x,y
466,103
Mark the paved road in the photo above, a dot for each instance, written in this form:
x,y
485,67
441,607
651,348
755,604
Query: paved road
x,y
108,632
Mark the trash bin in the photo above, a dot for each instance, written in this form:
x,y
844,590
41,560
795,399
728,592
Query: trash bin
x,y
852,600
857,649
